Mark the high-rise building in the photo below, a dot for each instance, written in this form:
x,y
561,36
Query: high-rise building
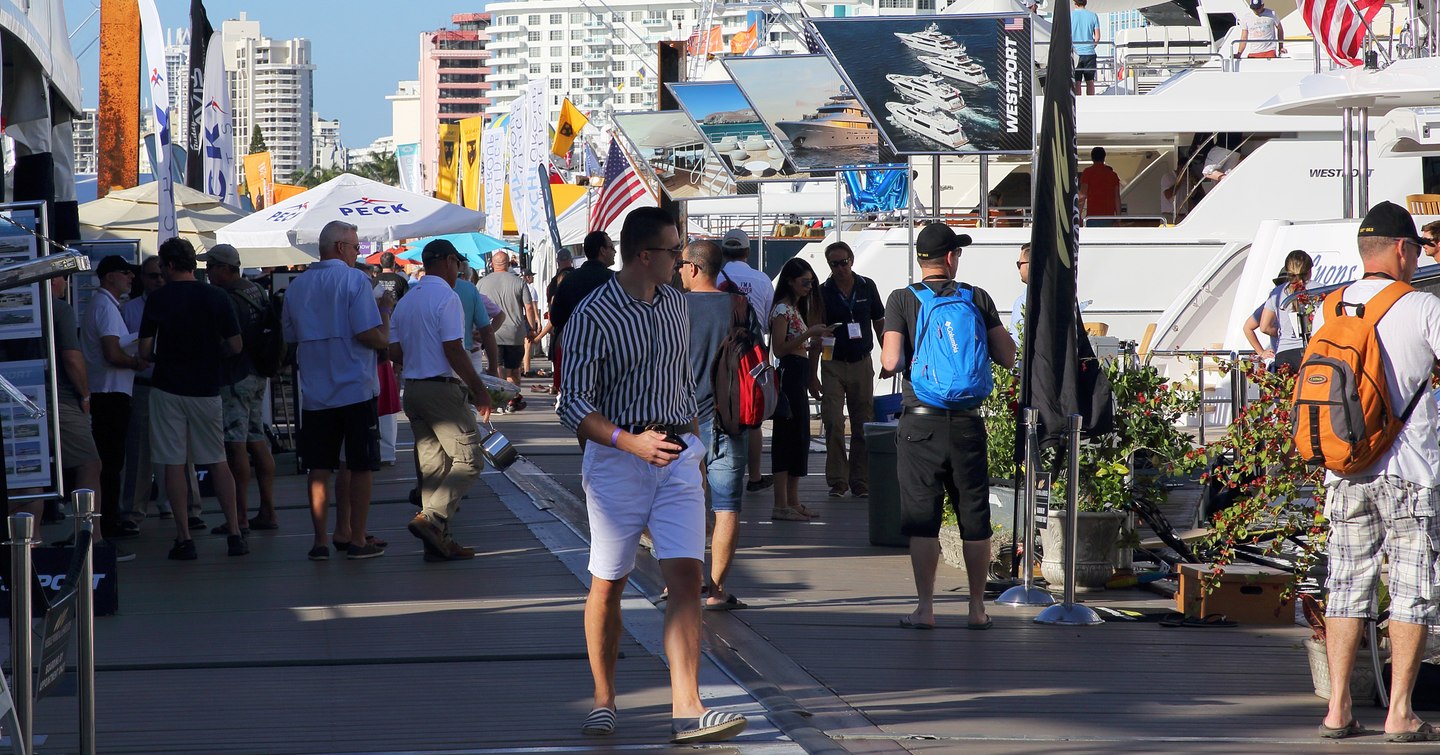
x,y
271,85
454,83
177,67
405,119
86,154
329,151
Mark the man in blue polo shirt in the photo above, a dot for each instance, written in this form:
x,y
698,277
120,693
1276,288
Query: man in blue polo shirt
x,y
331,313
1084,33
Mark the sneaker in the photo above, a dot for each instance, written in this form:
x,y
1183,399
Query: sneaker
x,y
837,491
196,523
320,553
369,550
236,545
765,481
428,532
517,404
860,491
449,551
184,550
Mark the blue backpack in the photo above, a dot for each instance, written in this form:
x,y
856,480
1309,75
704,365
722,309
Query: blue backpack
x,y
951,366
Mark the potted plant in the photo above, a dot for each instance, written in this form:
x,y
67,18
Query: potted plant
x,y
1147,408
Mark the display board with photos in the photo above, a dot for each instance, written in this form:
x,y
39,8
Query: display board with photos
x,y
677,157
83,285
959,84
744,145
31,448
810,112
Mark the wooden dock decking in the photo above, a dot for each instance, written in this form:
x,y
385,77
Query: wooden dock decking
x,y
272,653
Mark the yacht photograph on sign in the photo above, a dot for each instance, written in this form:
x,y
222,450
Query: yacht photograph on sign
x,y
939,84
731,126
809,111
677,155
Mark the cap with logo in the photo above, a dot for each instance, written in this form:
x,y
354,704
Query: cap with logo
x,y
936,240
222,253
1257,3
114,264
1389,220
735,239
438,250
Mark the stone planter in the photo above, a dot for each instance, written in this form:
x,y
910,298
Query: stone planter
x,y
1094,561
1362,674
952,553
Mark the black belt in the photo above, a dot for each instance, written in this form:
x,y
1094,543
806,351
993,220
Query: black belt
x,y
930,411
436,379
666,429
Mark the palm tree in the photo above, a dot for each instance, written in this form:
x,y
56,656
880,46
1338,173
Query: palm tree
x,y
381,166
314,176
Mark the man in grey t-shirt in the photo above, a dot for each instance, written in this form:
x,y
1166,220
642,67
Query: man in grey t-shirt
x,y
510,292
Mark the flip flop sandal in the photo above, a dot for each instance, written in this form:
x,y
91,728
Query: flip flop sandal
x,y
1352,729
982,626
1426,733
599,723
730,603
714,726
1213,620
908,623
788,515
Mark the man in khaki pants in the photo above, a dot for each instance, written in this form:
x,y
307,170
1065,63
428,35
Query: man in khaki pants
x,y
427,346
847,374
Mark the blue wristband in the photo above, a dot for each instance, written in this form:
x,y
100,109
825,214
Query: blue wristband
x,y
615,437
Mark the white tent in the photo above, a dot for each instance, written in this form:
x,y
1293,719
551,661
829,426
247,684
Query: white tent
x,y
133,214
379,212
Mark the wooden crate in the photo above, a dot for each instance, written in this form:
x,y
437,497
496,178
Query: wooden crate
x,y
1247,593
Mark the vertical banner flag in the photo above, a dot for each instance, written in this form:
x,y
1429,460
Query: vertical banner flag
x,y
153,35
571,121
448,173
537,155
470,129
515,166
200,35
258,179
217,129
492,165
552,226
1061,375
407,162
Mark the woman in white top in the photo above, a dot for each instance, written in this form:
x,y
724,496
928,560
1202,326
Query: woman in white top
x,y
795,342
1283,312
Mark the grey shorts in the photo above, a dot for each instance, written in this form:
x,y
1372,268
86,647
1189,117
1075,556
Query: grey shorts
x,y
243,404
1389,516
182,426
77,442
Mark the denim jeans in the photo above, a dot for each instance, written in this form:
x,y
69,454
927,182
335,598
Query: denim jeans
x,y
725,458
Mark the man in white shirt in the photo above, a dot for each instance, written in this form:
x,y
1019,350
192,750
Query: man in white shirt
x,y
1017,310
1392,508
110,371
1260,33
761,292
427,346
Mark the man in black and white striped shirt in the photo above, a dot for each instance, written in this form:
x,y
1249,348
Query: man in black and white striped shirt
x,y
627,392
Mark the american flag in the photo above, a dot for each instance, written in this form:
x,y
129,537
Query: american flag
x,y
1337,28
1015,24
812,41
622,188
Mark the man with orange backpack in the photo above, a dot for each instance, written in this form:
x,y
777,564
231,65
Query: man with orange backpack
x,y
1360,412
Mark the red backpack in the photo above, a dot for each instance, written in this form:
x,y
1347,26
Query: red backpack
x,y
746,388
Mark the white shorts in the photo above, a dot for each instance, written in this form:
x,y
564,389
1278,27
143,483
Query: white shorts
x,y
624,495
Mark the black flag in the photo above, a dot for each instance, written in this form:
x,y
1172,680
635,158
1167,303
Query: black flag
x,y
1060,374
200,33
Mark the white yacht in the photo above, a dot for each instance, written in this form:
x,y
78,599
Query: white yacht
x,y
841,122
931,40
959,68
929,88
932,122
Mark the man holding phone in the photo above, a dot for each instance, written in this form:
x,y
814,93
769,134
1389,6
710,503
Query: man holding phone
x,y
627,392
847,373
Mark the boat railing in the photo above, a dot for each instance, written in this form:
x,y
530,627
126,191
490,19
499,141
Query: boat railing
x,y
1215,375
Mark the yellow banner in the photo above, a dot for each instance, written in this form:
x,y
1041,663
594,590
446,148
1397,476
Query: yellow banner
x,y
448,174
259,180
470,160
571,121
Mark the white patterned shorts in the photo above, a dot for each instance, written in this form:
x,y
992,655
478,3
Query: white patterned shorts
x,y
1390,516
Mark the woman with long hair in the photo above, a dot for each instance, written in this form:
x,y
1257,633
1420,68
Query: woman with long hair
x,y
795,330
1286,316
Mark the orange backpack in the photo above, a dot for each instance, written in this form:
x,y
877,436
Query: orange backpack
x,y
1343,418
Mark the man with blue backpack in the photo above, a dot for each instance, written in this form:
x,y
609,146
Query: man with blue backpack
x,y
942,336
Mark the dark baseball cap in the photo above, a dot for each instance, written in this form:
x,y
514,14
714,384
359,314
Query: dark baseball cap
x,y
936,240
222,253
438,250
1389,220
114,264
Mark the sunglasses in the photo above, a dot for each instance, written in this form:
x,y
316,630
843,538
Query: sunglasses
x,y
839,263
1021,263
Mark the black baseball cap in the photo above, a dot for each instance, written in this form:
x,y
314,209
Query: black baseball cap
x,y
936,240
1390,220
114,264
438,250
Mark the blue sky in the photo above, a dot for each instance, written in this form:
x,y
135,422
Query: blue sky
x,y
700,100
360,47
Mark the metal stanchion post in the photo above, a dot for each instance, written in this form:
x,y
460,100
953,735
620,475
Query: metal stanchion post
x,y
1069,613
85,623
1025,593
22,529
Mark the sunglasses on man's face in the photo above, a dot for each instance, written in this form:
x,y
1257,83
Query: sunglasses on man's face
x,y
839,263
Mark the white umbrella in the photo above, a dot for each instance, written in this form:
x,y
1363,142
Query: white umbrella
x,y
133,214
379,212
